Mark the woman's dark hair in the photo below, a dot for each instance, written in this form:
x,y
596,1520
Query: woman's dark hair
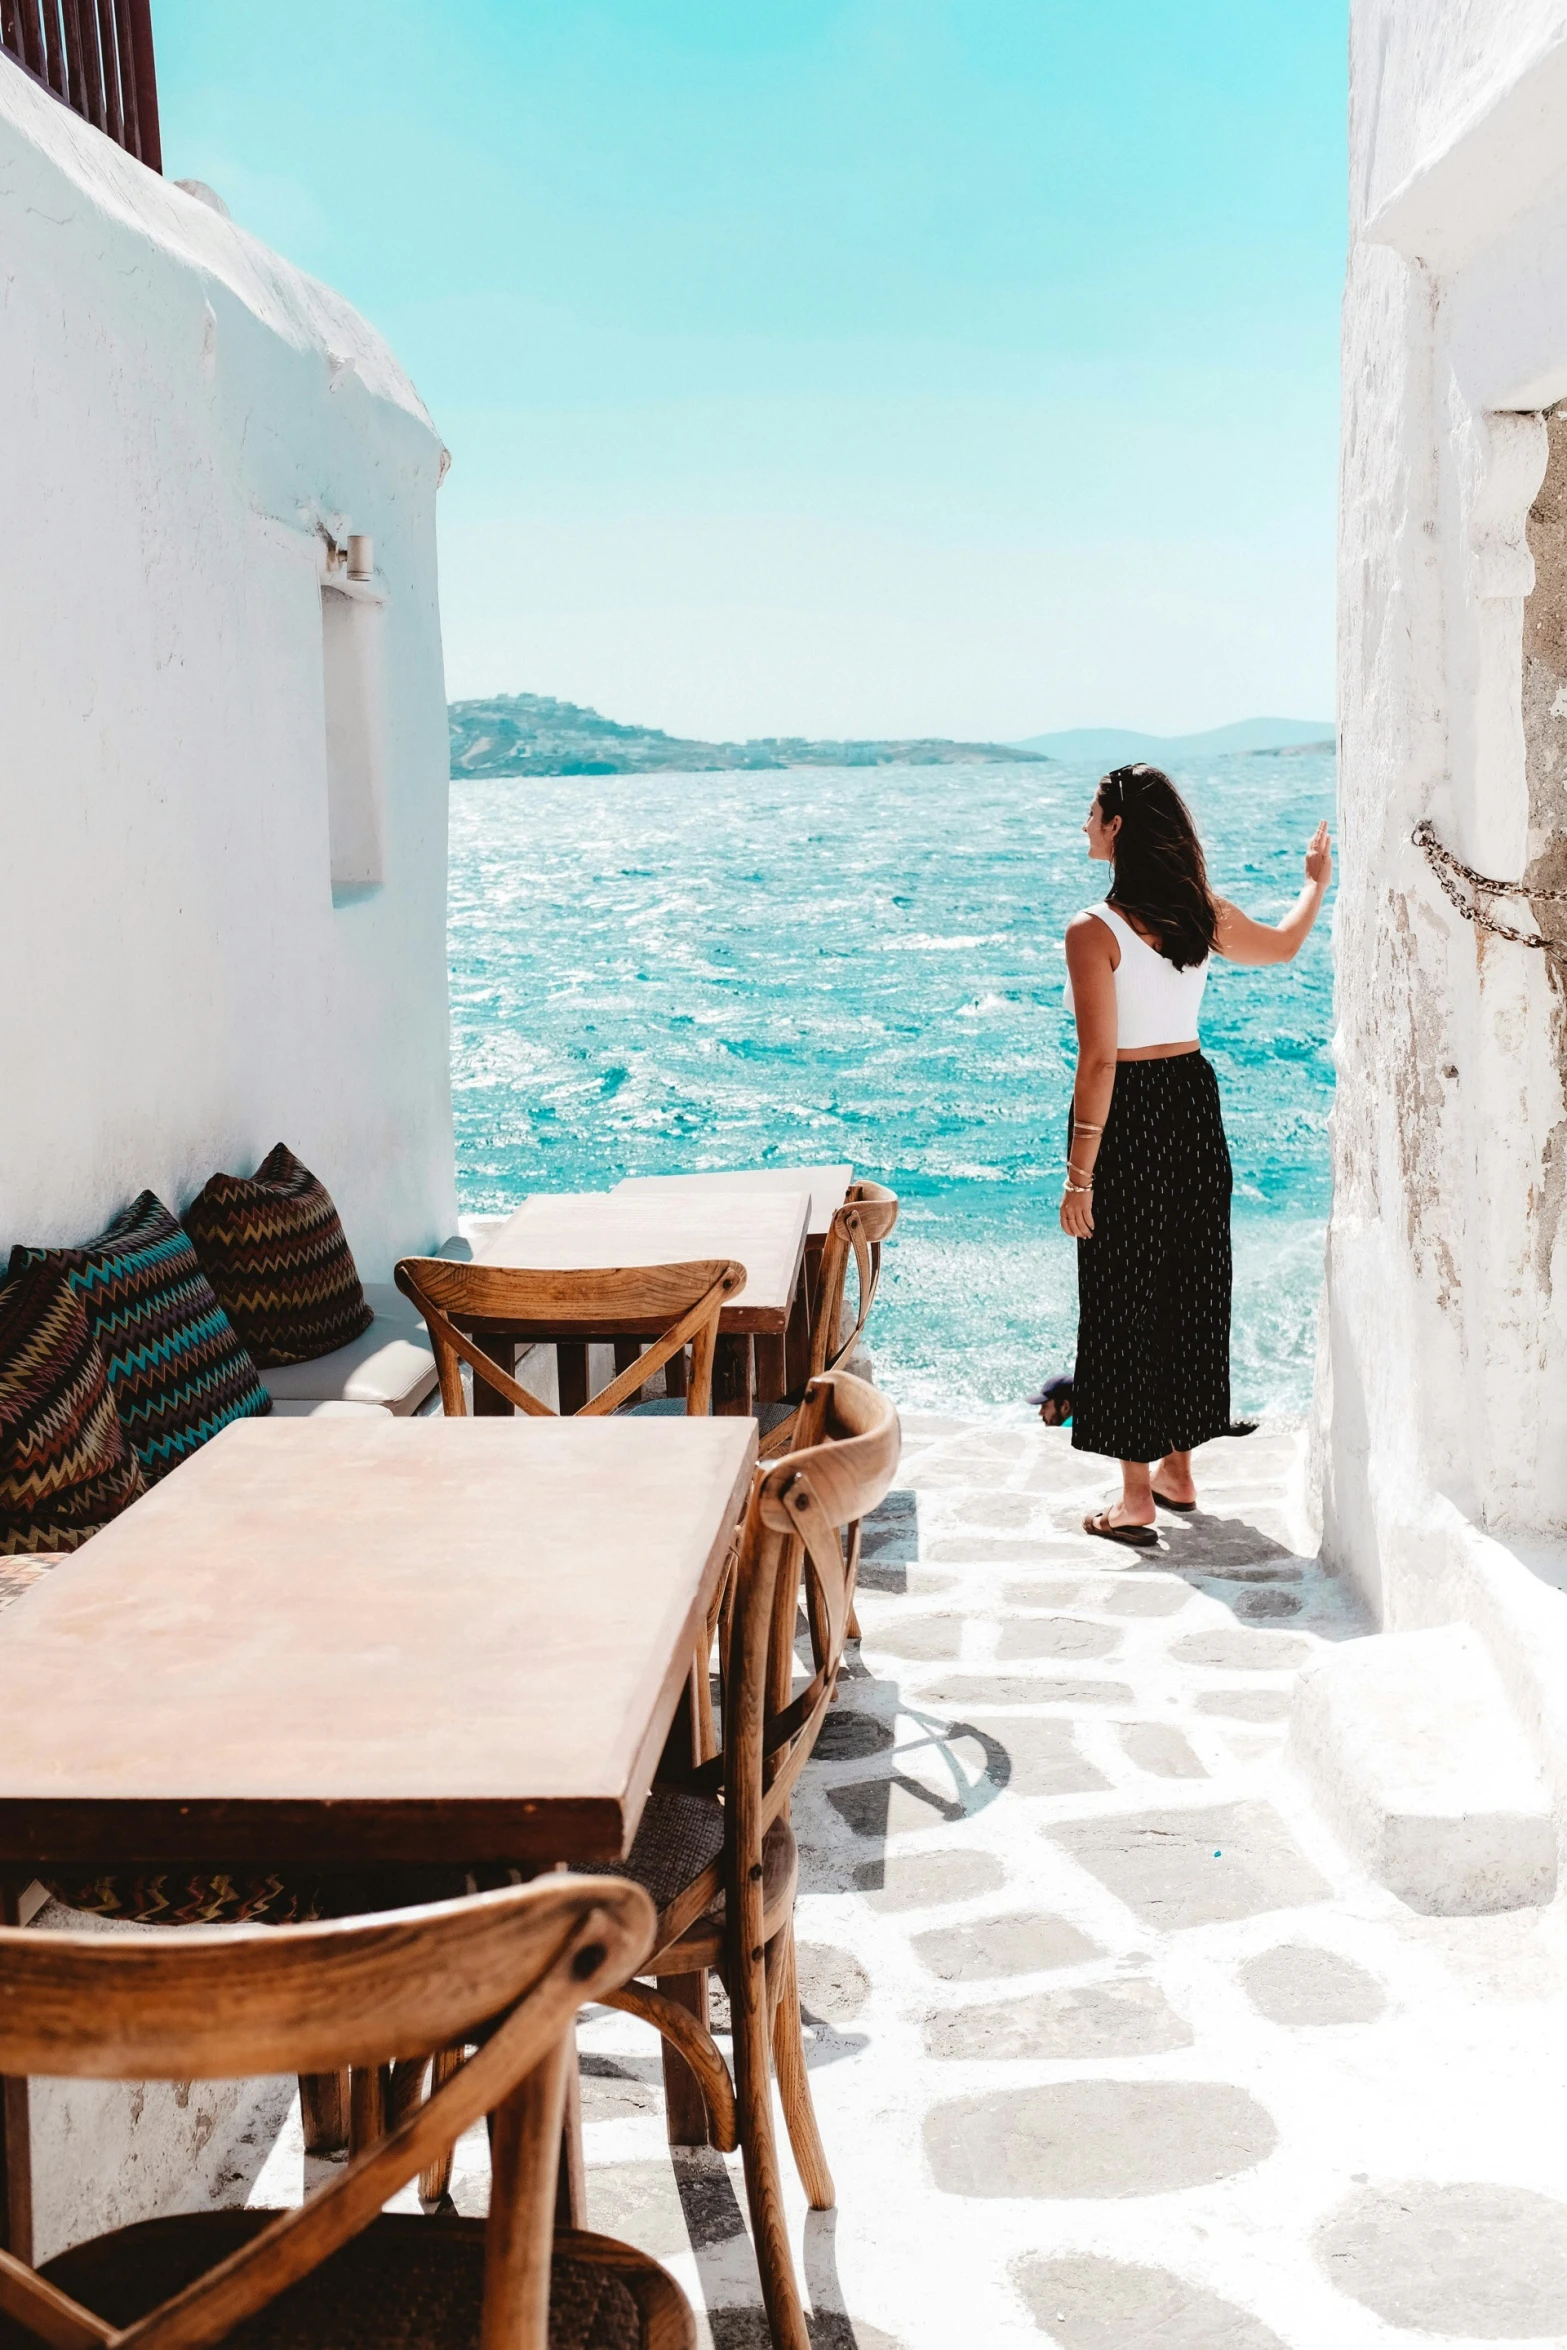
x,y
1161,876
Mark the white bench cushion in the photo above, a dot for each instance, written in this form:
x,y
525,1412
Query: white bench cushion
x,y
388,1304
331,1410
384,1365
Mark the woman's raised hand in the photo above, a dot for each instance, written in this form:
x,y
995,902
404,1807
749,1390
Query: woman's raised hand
x,y
1319,857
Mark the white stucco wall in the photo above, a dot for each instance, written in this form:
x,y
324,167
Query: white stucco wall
x,y
1439,85
1443,1407
180,414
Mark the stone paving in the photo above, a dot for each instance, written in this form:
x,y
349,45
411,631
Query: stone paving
x,y
1112,2046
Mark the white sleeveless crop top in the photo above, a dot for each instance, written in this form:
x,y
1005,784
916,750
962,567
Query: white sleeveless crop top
x,y
1154,1003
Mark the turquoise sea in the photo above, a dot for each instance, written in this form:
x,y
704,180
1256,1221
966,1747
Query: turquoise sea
x,y
659,972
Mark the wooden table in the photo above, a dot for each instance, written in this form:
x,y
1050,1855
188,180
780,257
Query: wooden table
x,y
333,1641
826,1185
762,1230
368,1641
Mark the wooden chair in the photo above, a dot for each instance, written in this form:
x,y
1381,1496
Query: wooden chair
x,y
857,1231
673,1306
716,1849
508,1970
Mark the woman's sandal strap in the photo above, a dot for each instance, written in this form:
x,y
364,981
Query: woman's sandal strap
x,y
1134,1537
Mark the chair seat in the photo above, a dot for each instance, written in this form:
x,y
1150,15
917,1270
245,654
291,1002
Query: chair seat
x,y
681,1834
406,2284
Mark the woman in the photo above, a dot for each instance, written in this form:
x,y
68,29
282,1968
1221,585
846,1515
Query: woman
x,y
1147,1195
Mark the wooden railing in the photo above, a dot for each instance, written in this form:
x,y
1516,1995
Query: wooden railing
x,y
96,57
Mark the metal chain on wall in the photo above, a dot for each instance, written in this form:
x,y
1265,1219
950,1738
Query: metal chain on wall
x,y
1450,872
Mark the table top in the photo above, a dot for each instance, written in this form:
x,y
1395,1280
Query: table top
x,y
764,1231
826,1185
371,1640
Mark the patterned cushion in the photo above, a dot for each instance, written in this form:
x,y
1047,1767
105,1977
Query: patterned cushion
x,y
177,1372
248,1897
65,1465
276,1254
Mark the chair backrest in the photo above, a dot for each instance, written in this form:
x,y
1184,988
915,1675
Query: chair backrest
x,y
509,1969
671,1305
857,1230
801,1525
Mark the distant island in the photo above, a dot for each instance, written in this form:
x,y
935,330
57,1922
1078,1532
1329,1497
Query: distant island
x,y
530,734
1119,746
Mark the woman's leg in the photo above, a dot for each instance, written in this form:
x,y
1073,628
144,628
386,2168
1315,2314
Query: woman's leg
x,y
1136,1505
1173,1477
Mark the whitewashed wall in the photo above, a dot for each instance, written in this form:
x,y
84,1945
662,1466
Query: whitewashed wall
x,y
181,412
1443,1405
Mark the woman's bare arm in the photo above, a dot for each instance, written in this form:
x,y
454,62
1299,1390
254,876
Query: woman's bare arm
x,y
1241,940
1090,958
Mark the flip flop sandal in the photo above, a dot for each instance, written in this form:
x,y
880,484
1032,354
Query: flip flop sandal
x,y
1165,1503
1134,1537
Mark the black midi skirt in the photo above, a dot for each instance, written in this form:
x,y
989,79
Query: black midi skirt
x,y
1153,1284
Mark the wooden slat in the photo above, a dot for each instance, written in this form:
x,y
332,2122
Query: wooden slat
x,y
96,56
54,47
123,48
113,110
32,37
74,92
92,69
141,70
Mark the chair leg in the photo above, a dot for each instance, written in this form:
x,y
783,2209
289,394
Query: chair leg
x,y
733,1386
685,2108
794,2081
759,2148
520,2233
405,2094
16,2136
435,2183
571,2178
323,2110
367,2102
16,2170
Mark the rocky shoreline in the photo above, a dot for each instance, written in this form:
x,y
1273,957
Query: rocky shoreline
x,y
531,734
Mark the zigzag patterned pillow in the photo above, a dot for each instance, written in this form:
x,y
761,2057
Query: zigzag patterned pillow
x,y
177,1372
276,1254
65,1465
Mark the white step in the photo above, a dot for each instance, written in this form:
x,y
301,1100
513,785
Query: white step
x,y
1409,1742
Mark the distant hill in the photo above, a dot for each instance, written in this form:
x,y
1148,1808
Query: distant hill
x,y
529,734
1118,746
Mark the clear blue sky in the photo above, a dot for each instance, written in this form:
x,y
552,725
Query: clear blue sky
x,y
833,366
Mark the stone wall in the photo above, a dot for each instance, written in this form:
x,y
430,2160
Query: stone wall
x,y
214,934
1443,1404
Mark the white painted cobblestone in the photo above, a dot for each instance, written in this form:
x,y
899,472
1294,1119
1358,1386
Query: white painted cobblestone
x,y
1084,2075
